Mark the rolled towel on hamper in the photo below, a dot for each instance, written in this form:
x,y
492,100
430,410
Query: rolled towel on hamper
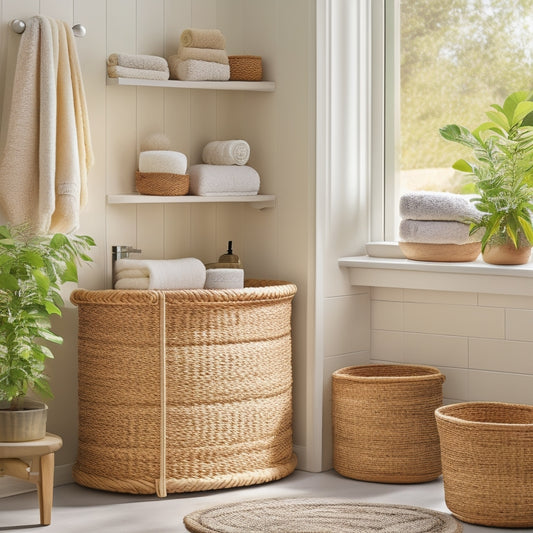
x,y
166,161
133,283
204,54
132,273
139,61
184,273
430,205
223,180
116,71
234,152
437,232
194,70
224,278
200,38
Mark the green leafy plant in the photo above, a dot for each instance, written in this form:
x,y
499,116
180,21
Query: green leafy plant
x,y
32,270
502,169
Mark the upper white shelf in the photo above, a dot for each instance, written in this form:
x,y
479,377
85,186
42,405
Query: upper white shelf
x,y
258,201
265,86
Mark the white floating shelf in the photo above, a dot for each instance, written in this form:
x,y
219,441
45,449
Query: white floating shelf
x,y
265,86
258,201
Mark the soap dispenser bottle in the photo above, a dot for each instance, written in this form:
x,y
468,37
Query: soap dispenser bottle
x,y
227,260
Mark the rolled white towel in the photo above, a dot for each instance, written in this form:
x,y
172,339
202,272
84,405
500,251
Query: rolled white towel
x,y
116,71
132,273
133,283
202,38
223,180
430,205
166,161
139,61
437,232
233,152
196,70
224,278
184,273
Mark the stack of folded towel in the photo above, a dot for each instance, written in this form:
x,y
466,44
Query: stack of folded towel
x,y
201,56
435,226
137,66
224,172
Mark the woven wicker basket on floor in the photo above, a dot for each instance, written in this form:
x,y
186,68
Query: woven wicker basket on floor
x,y
183,391
487,462
161,183
384,426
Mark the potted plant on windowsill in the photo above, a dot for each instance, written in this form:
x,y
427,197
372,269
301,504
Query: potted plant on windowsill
x,y
32,270
502,168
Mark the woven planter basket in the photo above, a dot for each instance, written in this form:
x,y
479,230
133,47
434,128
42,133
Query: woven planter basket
x,y
487,462
184,390
161,183
384,426
245,68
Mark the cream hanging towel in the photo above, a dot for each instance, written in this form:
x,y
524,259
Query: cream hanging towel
x,y
47,152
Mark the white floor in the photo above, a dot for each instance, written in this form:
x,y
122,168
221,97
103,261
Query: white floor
x,y
79,510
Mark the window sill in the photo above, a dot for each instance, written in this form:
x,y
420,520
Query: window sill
x,y
476,276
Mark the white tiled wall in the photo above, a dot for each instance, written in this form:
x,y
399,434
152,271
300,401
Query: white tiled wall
x,y
483,343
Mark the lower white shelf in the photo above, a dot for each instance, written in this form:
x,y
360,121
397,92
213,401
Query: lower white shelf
x,y
258,201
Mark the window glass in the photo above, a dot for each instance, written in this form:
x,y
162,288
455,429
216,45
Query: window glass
x,y
456,58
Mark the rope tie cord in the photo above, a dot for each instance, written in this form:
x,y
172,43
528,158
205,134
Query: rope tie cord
x,y
161,486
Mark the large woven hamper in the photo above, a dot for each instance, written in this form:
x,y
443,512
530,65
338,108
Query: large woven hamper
x,y
384,426
184,390
487,462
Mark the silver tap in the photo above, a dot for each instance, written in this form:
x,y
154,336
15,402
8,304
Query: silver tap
x,y
121,252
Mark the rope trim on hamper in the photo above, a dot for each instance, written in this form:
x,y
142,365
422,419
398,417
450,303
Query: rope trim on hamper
x,y
129,486
161,485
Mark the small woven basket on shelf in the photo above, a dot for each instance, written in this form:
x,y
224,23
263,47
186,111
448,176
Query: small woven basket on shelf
x,y
245,68
384,426
487,462
161,183
184,390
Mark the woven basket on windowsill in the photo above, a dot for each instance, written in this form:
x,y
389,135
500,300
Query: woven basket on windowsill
x,y
161,183
184,390
487,462
384,426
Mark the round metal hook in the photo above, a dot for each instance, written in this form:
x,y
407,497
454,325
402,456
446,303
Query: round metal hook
x,y
79,30
18,26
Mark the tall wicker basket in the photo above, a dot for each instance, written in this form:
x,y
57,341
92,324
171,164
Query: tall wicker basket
x,y
487,462
184,390
384,426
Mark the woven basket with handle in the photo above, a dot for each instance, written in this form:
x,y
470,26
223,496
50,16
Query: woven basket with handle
x,y
384,426
184,390
487,462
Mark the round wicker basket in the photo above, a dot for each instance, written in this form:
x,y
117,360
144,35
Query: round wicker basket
x,y
184,390
384,426
487,462
161,183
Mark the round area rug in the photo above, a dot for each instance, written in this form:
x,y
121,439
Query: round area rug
x,y
318,515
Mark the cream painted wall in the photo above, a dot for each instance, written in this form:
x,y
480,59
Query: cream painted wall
x,y
274,243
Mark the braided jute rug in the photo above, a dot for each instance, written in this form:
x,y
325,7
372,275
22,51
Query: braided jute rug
x,y
318,515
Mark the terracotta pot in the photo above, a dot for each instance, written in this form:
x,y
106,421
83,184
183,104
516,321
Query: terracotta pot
x,y
23,425
506,254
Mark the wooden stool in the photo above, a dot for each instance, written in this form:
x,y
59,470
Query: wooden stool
x,y
33,461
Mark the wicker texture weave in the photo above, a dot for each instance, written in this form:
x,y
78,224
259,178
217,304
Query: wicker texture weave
x,y
384,427
183,391
487,462
245,68
161,183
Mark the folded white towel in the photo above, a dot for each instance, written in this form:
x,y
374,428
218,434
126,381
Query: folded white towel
x,y
116,71
132,273
184,273
166,161
194,70
203,54
139,61
234,152
200,38
224,278
133,283
430,205
437,232
223,180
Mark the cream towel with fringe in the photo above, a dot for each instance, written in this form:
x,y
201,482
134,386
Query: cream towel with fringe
x,y
47,152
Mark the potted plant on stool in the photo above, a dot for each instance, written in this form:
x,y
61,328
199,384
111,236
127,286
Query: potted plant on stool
x,y
502,168
32,270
